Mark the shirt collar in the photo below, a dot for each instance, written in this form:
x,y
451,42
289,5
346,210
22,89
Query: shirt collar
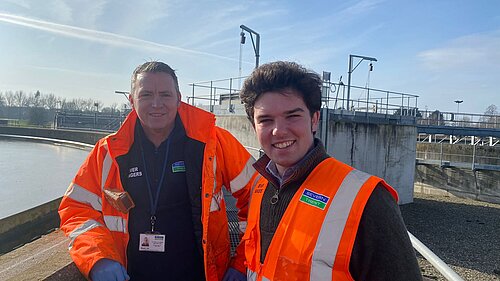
x,y
291,171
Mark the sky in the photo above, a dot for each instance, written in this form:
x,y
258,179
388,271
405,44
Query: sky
x,y
440,50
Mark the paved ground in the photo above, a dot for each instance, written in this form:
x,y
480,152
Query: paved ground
x,y
38,260
463,232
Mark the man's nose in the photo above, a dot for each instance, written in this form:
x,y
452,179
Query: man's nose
x,y
279,128
156,101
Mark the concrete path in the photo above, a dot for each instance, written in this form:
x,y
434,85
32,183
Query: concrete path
x,y
46,258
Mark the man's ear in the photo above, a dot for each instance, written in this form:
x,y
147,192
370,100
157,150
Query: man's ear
x,y
179,97
315,121
131,99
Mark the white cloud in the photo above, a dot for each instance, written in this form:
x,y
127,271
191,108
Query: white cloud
x,y
362,7
106,38
21,3
59,10
472,53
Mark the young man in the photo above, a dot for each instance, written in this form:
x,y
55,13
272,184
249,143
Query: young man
x,y
312,217
160,178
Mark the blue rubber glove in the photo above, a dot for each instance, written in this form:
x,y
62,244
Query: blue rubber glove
x,y
234,275
108,270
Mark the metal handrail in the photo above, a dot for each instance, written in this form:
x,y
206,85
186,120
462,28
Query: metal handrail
x,y
438,263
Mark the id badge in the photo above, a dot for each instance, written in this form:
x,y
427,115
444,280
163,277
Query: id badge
x,y
151,242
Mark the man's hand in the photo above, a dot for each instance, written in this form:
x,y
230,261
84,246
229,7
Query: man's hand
x,y
108,270
234,275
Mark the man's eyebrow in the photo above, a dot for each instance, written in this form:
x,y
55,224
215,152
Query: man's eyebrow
x,y
295,110
263,116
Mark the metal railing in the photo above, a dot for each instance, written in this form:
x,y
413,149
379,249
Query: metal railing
x,y
463,120
367,99
434,260
96,121
225,92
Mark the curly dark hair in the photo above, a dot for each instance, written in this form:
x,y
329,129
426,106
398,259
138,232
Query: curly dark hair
x,y
154,67
278,76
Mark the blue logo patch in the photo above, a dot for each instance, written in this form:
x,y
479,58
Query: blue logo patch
x,y
314,199
178,167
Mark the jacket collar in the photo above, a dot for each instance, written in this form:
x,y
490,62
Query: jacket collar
x,y
198,124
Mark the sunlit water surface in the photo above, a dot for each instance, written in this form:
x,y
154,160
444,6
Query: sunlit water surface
x,y
33,173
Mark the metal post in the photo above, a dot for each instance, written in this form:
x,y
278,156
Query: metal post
x,y
441,154
230,92
256,44
324,126
473,156
387,104
192,99
349,82
210,102
367,100
349,72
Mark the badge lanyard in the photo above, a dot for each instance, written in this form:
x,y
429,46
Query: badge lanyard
x,y
154,201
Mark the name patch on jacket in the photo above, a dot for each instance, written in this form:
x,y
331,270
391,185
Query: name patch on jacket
x,y
314,199
134,172
178,167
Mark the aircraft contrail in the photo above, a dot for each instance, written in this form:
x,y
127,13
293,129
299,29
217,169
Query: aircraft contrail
x,y
99,36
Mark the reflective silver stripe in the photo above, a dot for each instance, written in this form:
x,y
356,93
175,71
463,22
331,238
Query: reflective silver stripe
x,y
244,177
84,196
215,173
251,276
333,225
214,203
106,166
242,225
115,223
216,199
84,227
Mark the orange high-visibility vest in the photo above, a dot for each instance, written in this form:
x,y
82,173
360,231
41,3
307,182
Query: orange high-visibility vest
x,y
97,230
316,234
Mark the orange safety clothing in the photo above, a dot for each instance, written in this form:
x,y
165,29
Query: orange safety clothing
x,y
316,234
97,230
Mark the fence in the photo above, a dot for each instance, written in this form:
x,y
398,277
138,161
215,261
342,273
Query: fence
x,y
224,94
89,121
468,120
369,100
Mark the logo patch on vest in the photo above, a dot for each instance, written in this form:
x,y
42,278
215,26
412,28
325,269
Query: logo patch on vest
x,y
178,167
314,199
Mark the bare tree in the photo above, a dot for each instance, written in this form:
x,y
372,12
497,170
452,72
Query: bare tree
x,y
21,99
491,110
50,101
491,118
34,99
2,99
114,107
10,99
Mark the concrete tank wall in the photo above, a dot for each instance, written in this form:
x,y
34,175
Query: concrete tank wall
x,y
385,150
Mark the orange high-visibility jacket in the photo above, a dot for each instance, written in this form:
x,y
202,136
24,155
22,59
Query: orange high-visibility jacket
x,y
316,234
97,230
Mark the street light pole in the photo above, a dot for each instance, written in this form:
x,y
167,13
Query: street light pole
x,y
458,102
351,69
256,43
